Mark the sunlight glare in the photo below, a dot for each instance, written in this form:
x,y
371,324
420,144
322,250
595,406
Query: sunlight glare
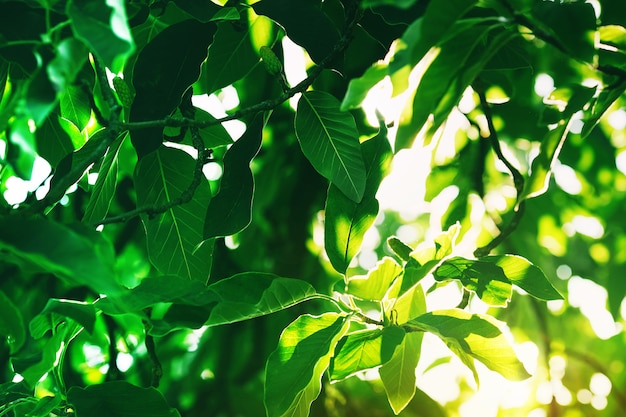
x,y
544,84
591,299
566,178
214,105
600,384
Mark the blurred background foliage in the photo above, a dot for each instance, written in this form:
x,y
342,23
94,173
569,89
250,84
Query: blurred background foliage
x,y
574,232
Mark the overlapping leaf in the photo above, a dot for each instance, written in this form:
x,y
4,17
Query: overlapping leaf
x,y
346,221
175,242
230,211
294,370
330,141
162,74
476,336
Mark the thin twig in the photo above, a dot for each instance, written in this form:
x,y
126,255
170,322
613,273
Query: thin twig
x,y
157,368
518,180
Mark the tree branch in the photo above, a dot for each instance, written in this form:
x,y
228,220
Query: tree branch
x,y
518,180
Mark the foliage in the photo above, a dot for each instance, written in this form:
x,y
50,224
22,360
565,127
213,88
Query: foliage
x,y
208,208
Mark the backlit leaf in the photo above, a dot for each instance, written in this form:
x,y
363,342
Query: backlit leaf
x,y
526,276
175,242
330,141
375,284
364,350
479,336
294,370
346,222
398,374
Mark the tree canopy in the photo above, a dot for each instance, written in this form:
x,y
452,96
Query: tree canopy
x,y
324,208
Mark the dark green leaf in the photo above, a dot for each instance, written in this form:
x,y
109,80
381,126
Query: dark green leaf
x,y
22,151
70,57
477,336
45,406
11,323
573,23
364,350
103,27
119,399
82,313
346,222
162,74
231,57
294,370
203,10
230,211
485,278
237,298
400,248
175,242
79,255
305,23
329,139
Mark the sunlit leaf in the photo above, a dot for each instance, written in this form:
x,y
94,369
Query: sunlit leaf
x,y
359,87
294,370
75,106
479,336
375,284
120,399
398,374
485,278
175,242
526,276
346,222
329,139
230,211
364,350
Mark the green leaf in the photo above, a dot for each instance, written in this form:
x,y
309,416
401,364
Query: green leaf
x,y
230,211
478,336
11,323
400,248
71,55
364,350
526,276
305,22
79,255
21,149
82,313
231,57
346,222
203,10
541,168
408,305
53,143
45,406
215,135
375,284
119,399
398,374
486,279
175,242
605,100
573,23
103,27
294,370
230,300
359,87
457,62
426,32
330,141
103,190
162,74
75,106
